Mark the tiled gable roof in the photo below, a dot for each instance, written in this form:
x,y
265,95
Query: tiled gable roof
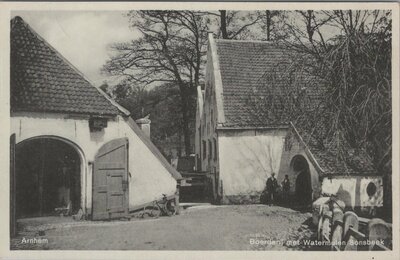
x,y
257,80
328,161
43,81
252,73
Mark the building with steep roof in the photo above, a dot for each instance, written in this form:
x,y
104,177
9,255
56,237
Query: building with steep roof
x,y
74,147
244,130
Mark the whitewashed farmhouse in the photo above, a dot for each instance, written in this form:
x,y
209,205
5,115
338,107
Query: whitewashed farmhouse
x,y
241,149
72,146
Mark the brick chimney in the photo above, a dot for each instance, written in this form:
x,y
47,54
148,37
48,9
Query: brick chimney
x,y
144,124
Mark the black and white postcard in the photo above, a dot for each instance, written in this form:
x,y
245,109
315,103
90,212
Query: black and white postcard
x,y
179,130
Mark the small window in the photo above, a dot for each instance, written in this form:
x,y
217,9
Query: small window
x,y
215,149
210,149
212,118
204,150
371,189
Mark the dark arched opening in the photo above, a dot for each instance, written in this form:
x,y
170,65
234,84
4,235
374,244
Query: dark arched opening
x,y
47,178
303,188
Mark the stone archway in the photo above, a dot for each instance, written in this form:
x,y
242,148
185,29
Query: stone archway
x,y
303,187
48,176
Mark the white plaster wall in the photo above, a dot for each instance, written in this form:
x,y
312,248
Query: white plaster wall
x,y
149,177
353,190
294,148
209,118
247,159
377,198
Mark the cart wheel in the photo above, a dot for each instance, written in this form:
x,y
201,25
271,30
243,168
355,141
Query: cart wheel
x,y
337,226
171,208
337,238
326,226
323,208
319,230
155,212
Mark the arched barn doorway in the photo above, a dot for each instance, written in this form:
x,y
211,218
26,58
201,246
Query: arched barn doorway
x,y
303,188
48,177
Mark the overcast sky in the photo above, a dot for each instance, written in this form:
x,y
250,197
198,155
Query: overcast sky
x,y
81,37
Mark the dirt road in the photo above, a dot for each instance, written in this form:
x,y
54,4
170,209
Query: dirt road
x,y
244,227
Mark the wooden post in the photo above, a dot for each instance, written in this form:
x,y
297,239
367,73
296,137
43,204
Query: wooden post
x,y
41,176
323,209
326,226
13,222
178,208
337,228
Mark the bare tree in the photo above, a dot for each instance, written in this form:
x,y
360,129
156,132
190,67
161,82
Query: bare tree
x,y
223,27
350,52
171,49
357,67
272,24
235,24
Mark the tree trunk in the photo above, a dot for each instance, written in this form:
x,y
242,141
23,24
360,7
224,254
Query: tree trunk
x,y
223,28
310,29
185,118
268,15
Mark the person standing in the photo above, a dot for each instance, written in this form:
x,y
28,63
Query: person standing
x,y
272,185
286,189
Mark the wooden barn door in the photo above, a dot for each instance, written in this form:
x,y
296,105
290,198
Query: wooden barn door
x,y
110,181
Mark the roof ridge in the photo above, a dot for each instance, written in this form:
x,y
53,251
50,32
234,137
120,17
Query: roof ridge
x,y
218,83
16,19
249,41
306,146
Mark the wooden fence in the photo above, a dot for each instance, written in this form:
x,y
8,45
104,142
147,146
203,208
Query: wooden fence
x,y
346,231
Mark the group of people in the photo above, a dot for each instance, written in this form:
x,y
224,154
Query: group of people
x,y
269,195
